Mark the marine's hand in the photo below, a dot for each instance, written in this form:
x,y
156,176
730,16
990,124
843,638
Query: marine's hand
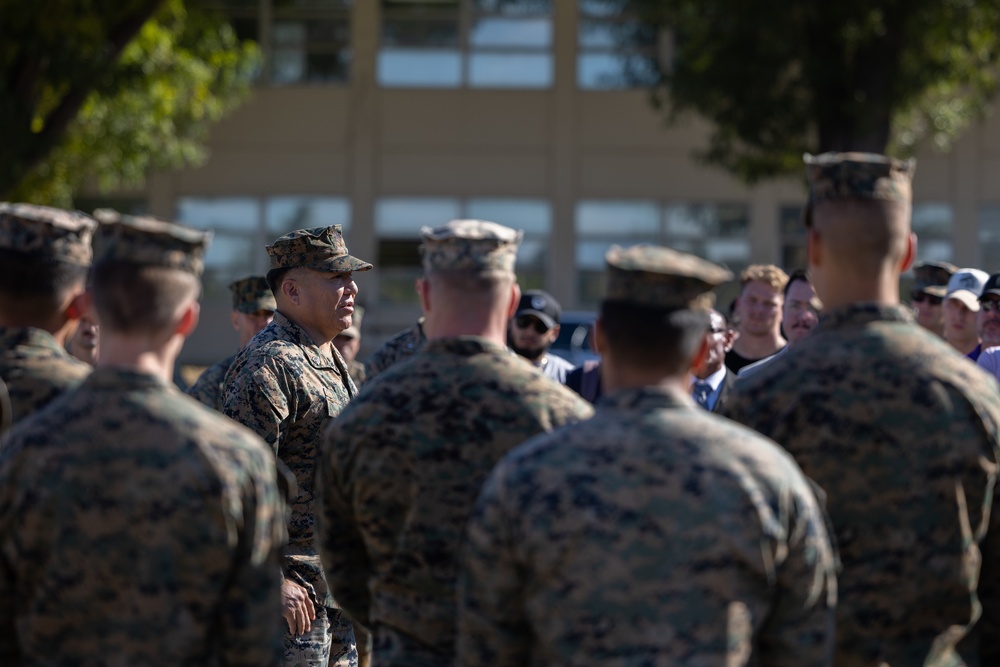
x,y
296,607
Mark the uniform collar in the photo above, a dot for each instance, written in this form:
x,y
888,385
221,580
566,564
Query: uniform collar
x,y
290,332
861,314
465,346
123,378
11,337
646,398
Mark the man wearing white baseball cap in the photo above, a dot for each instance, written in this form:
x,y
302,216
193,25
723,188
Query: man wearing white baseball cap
x,y
961,303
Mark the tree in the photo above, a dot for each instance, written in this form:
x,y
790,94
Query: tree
x,y
777,79
103,90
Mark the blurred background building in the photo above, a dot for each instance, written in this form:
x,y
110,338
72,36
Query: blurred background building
x,y
386,115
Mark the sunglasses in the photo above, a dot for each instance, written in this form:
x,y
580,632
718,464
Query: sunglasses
x,y
920,297
990,306
525,321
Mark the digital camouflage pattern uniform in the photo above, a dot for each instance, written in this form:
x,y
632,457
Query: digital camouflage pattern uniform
x,y
401,466
287,389
34,365
209,388
5,411
399,348
250,295
655,533
136,526
902,433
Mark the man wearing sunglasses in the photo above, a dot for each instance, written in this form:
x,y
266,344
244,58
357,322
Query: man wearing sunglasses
x,y
930,286
533,330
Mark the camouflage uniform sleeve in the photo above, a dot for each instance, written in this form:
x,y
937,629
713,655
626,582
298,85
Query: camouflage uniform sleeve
x,y
492,628
256,398
253,599
341,547
9,654
800,628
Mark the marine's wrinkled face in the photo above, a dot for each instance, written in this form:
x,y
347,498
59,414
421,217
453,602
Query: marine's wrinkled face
x,y
758,308
801,311
326,301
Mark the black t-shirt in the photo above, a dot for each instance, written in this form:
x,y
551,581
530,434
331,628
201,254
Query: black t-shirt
x,y
735,361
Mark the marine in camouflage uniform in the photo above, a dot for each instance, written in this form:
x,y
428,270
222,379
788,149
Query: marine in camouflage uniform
x,y
401,466
136,526
348,342
37,241
253,309
899,429
399,348
5,412
655,533
287,387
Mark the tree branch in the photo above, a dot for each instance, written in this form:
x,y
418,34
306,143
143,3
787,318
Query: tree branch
x,y
69,107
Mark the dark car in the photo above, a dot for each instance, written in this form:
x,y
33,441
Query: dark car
x,y
575,333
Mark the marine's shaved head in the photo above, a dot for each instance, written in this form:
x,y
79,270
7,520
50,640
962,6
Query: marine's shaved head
x,y
863,235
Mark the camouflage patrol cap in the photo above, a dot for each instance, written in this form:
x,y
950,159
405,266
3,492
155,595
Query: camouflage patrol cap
x,y
845,176
251,294
46,232
933,277
147,240
470,245
354,331
659,277
320,248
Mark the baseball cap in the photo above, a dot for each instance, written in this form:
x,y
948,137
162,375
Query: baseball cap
x,y
965,286
992,286
542,305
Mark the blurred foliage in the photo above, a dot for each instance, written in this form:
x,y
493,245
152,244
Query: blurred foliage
x,y
100,91
777,79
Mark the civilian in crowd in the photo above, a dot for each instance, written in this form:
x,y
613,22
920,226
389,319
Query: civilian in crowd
x,y
758,313
960,308
712,380
533,330
930,285
799,314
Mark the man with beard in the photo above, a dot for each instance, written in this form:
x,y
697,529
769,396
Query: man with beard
x,y
799,314
713,381
533,330
758,309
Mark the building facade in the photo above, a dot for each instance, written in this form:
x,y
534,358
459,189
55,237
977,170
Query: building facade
x,y
387,115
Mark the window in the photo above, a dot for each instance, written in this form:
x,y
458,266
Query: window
x,y
304,41
932,223
793,238
474,43
398,221
615,49
717,232
989,239
242,226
